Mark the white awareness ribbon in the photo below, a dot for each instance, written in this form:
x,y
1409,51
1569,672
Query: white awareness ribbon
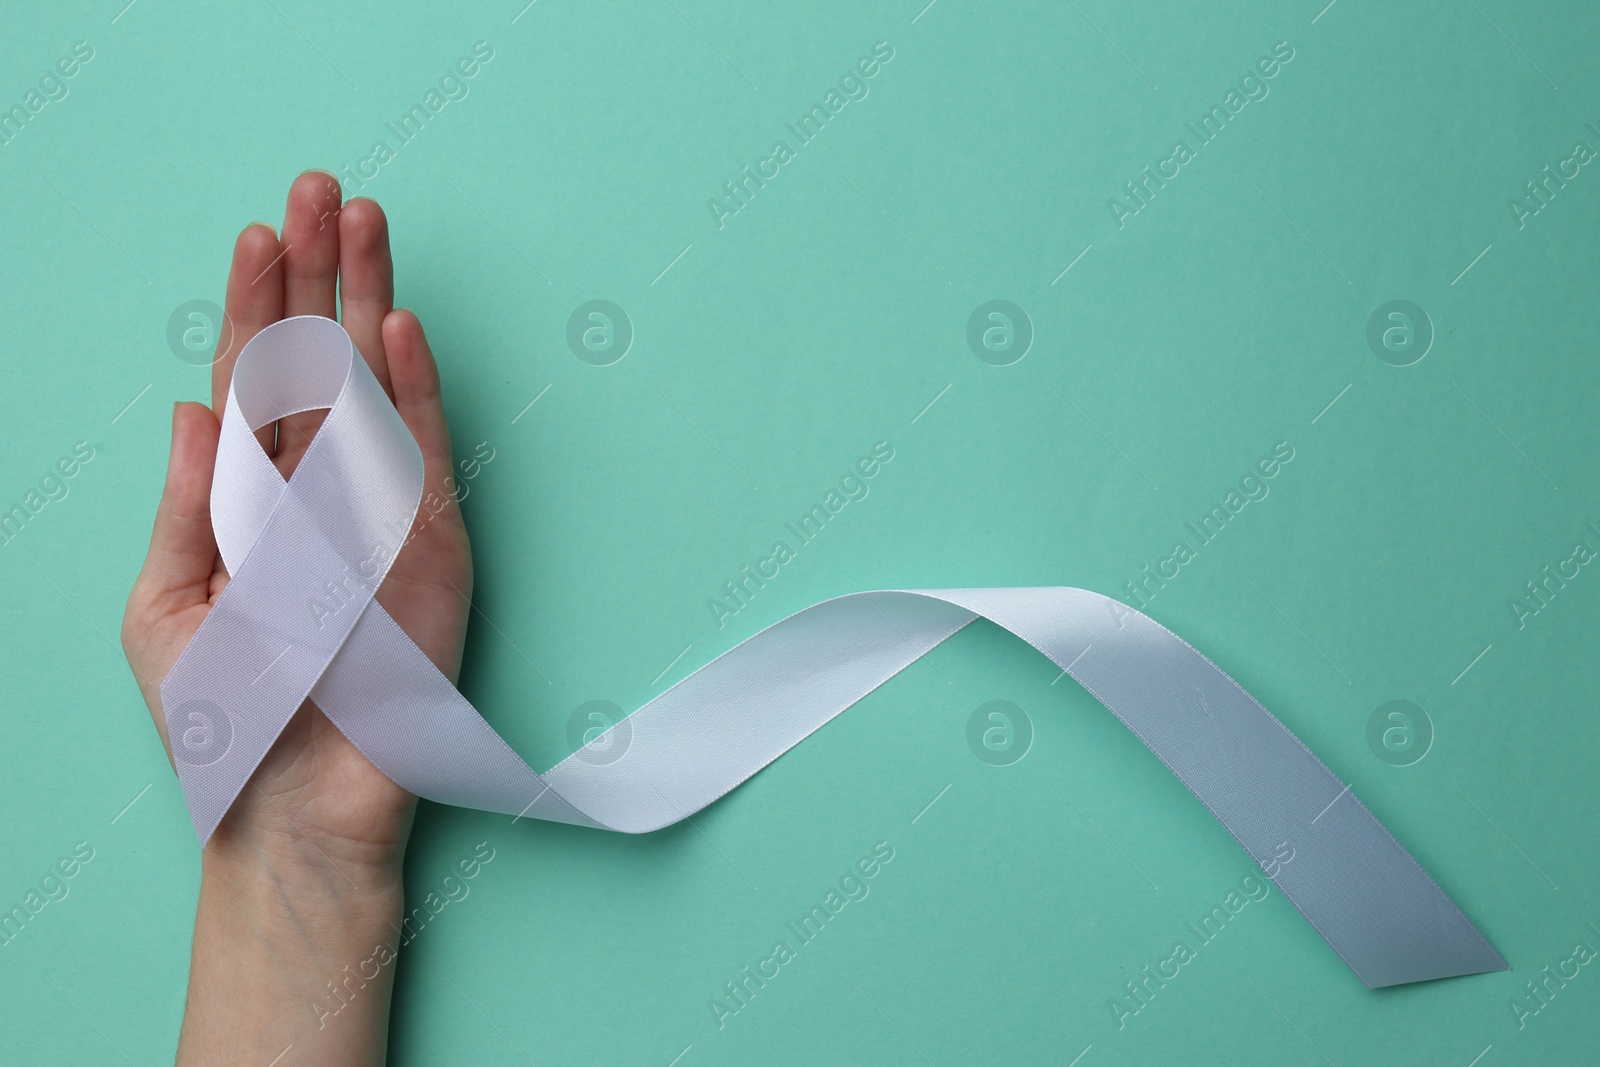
x,y
337,523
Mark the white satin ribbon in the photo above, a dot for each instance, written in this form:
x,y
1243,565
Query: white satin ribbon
x,y
298,619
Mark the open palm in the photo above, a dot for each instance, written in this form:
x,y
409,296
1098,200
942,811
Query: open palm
x,y
314,793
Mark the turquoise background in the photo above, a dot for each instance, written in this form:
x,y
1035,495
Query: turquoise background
x,y
770,354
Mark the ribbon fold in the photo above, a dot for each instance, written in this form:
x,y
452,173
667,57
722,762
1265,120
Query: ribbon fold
x,y
328,535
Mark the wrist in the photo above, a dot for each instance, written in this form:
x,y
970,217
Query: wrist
x,y
290,952
274,832
260,870
312,895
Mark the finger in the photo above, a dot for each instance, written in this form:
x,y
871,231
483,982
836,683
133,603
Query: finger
x,y
417,393
254,301
435,554
366,281
311,245
310,282
183,549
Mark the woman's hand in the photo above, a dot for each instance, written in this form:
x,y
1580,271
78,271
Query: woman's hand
x,y
310,854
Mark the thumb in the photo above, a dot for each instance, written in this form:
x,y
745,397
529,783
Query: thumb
x,y
183,549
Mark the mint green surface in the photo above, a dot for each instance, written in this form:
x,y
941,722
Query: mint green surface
x,y
827,315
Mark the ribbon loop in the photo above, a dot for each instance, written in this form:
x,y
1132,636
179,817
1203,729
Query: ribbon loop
x,y
298,618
